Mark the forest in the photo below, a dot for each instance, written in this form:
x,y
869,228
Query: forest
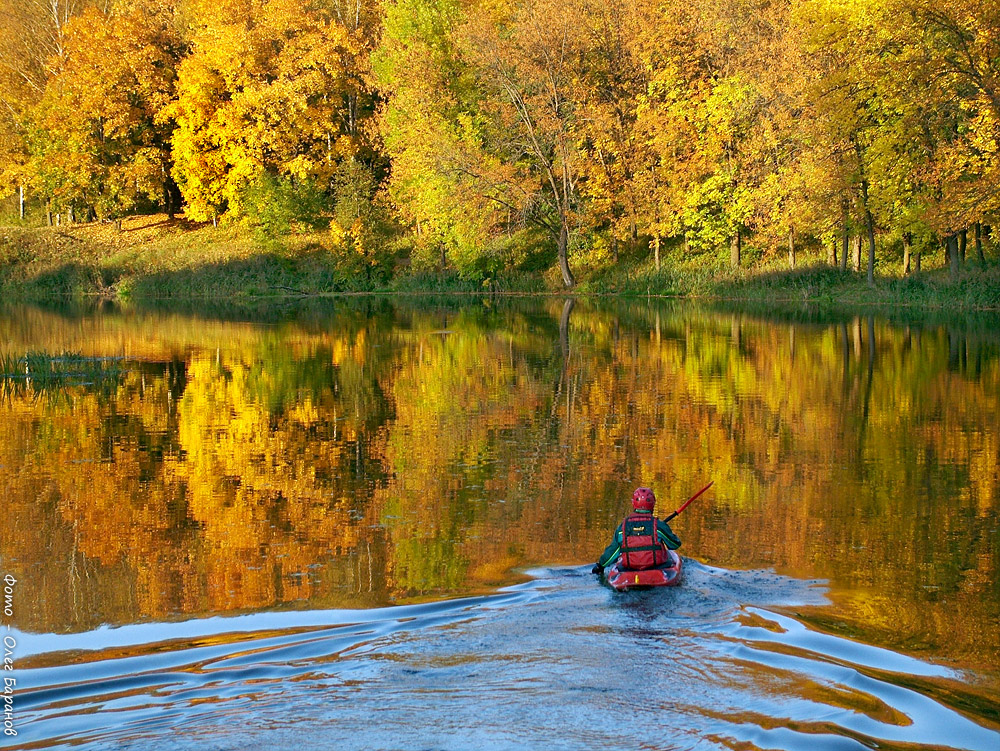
x,y
485,136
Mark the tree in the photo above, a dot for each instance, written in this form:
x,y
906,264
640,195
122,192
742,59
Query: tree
x,y
32,49
612,79
270,86
99,137
711,119
525,62
426,119
483,121
953,50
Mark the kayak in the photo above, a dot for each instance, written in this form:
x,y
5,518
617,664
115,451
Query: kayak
x,y
667,575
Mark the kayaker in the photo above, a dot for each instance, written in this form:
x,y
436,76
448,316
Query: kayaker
x,y
636,545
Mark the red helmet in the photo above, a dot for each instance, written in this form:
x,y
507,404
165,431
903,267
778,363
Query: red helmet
x,y
643,499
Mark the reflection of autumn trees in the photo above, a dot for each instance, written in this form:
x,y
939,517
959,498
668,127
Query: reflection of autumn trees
x,y
377,455
461,395
819,436
95,478
264,464
238,485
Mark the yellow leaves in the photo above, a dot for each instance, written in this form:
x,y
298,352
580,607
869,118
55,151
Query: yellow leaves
x,y
241,460
299,166
98,135
263,88
338,235
638,109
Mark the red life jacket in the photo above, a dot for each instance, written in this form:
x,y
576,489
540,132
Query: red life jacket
x,y
641,549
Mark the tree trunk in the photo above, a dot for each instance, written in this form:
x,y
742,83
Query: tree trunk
x,y
735,249
168,198
656,251
907,245
48,211
567,275
564,321
844,233
833,252
916,262
979,244
870,227
963,241
20,202
951,245
791,248
871,251
564,328
856,252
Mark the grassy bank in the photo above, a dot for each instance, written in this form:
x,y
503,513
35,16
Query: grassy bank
x,y
974,288
155,258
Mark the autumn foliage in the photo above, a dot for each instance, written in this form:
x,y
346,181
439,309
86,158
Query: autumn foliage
x,y
521,134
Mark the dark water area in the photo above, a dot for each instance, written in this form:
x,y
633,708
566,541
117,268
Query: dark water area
x,y
370,524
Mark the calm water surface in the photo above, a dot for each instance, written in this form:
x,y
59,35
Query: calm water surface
x,y
370,524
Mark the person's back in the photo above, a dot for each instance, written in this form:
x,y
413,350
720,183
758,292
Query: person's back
x,y
641,547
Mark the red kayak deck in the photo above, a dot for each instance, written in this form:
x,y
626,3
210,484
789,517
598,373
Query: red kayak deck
x,y
668,575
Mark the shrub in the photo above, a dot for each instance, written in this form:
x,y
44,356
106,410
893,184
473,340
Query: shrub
x,y
277,205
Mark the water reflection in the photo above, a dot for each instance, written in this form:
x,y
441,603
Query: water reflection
x,y
379,453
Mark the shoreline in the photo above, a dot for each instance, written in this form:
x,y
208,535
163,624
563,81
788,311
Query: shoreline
x,y
156,261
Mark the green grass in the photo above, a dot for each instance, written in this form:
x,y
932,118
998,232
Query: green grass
x,y
972,289
152,258
820,284
162,259
450,282
156,259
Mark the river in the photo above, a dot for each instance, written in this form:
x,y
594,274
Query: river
x,y
369,523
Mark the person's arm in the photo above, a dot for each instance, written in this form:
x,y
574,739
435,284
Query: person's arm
x,y
666,535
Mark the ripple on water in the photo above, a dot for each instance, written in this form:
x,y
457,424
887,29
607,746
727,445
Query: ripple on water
x,y
557,662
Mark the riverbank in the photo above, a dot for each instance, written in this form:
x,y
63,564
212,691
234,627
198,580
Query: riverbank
x,y
154,258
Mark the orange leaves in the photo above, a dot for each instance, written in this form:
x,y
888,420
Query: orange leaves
x,y
97,135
